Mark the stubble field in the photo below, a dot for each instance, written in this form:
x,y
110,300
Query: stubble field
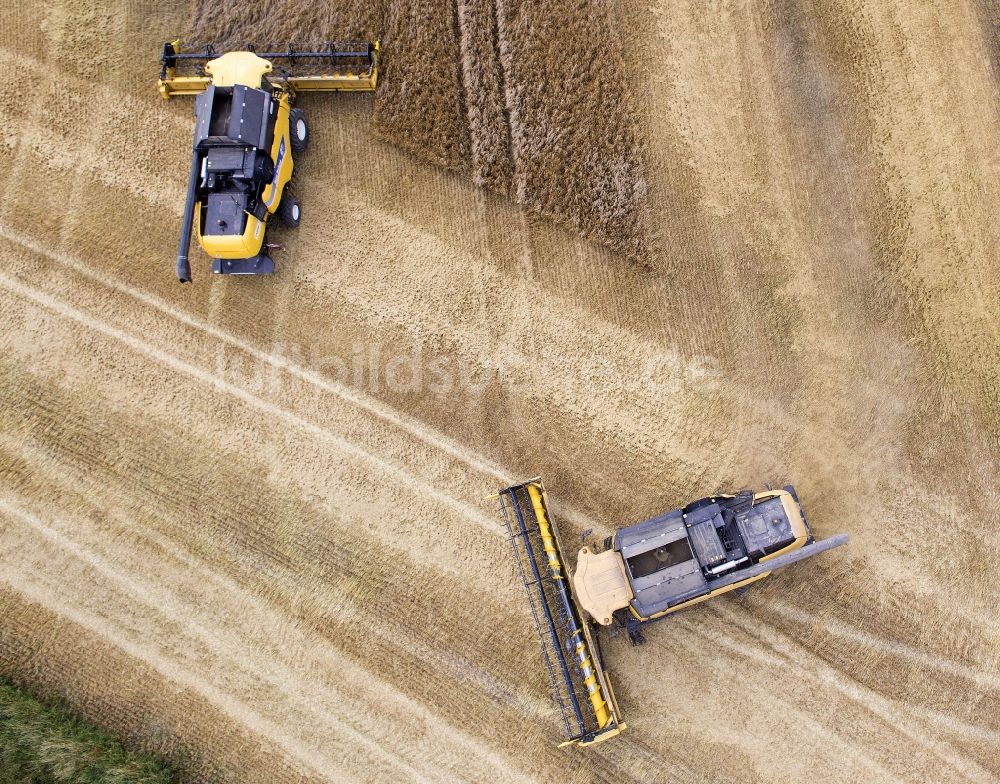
x,y
647,251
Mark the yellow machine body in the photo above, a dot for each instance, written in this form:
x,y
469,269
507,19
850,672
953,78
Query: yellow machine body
x,y
235,68
248,69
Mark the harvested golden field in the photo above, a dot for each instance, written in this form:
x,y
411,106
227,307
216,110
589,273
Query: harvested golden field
x,y
241,522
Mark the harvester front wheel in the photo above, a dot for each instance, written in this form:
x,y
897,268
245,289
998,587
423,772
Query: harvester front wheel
x,y
290,211
298,129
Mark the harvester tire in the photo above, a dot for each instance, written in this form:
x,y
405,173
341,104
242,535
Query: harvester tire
x,y
290,211
298,130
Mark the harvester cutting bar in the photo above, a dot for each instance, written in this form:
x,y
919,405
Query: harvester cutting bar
x,y
545,622
333,51
582,688
355,66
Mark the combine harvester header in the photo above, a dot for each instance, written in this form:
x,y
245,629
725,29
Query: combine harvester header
x,y
581,685
647,571
353,66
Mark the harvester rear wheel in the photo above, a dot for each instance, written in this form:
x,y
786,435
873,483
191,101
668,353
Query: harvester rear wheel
x,y
298,129
290,211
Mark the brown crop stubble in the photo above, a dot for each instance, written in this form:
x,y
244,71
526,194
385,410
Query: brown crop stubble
x,y
231,23
420,104
483,81
244,520
930,129
577,156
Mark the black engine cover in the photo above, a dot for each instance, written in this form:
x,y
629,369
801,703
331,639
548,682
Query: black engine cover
x,y
225,213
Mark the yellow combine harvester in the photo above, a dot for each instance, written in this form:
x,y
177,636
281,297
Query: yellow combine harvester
x,y
246,132
647,571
